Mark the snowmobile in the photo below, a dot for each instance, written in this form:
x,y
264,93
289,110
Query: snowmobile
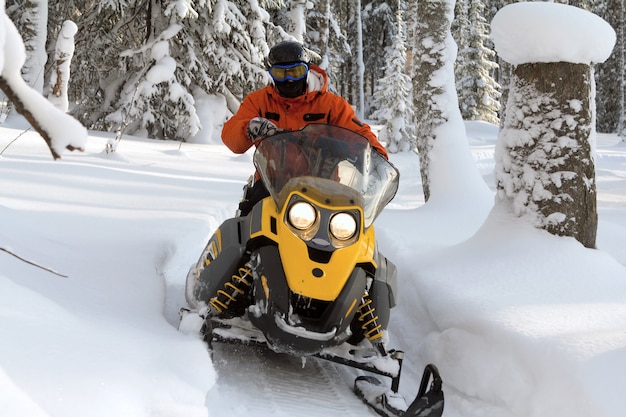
x,y
301,273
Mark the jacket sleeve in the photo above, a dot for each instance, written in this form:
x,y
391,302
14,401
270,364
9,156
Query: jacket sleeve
x,y
346,118
235,130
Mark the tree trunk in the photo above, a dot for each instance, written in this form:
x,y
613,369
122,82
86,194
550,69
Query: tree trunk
x,y
548,171
360,64
433,24
63,53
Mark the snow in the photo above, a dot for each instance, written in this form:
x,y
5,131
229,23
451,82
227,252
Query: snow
x,y
550,32
94,250
59,78
519,322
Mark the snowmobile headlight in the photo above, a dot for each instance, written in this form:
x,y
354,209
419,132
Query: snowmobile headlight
x,y
343,226
302,215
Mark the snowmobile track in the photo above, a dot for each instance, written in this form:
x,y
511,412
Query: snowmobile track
x,y
253,381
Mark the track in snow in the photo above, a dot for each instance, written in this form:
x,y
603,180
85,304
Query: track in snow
x,y
255,382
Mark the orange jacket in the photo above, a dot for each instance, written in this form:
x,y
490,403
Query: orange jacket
x,y
318,105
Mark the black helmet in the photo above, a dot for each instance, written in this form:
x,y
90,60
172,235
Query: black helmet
x,y
287,52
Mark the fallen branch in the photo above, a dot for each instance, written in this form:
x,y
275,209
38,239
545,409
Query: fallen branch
x,y
32,263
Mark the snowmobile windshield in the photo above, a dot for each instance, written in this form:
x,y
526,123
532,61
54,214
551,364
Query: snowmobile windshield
x,y
328,153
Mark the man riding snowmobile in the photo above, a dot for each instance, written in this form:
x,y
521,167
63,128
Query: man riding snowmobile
x,y
297,97
299,270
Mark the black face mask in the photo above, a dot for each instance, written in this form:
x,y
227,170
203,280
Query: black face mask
x,y
291,89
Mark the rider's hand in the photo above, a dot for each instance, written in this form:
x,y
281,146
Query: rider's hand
x,y
259,128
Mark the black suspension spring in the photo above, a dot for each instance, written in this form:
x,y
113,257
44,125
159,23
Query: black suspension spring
x,y
239,284
372,329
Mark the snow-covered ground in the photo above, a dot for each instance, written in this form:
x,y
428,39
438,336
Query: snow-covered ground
x,y
519,322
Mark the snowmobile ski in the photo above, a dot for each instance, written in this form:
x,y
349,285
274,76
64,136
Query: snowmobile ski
x,y
384,399
429,401
240,331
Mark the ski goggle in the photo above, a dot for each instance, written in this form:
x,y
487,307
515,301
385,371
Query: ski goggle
x,y
293,72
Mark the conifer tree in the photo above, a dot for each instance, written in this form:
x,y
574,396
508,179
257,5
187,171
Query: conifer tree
x,y
145,61
360,64
460,34
478,91
380,29
429,38
503,71
326,37
392,97
609,75
31,19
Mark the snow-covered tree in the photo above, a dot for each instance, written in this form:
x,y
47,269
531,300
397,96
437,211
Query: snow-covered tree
x,y
460,33
360,65
153,99
298,16
610,74
326,36
478,92
146,61
548,172
58,130
392,97
620,54
31,19
379,29
544,155
350,69
63,52
430,47
441,137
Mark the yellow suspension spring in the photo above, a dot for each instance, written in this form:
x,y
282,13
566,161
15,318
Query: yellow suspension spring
x,y
232,289
367,314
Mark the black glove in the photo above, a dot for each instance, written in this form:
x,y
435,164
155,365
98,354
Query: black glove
x,y
259,128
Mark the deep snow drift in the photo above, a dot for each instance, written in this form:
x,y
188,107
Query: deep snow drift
x,y
519,322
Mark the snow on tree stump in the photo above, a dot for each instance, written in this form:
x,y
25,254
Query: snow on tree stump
x,y
544,155
63,53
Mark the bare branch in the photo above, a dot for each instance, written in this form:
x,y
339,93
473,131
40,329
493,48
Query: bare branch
x,y
32,263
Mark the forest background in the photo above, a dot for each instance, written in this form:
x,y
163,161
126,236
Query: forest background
x,y
141,66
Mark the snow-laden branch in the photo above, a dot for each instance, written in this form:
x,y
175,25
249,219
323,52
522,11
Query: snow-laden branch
x,y
59,130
